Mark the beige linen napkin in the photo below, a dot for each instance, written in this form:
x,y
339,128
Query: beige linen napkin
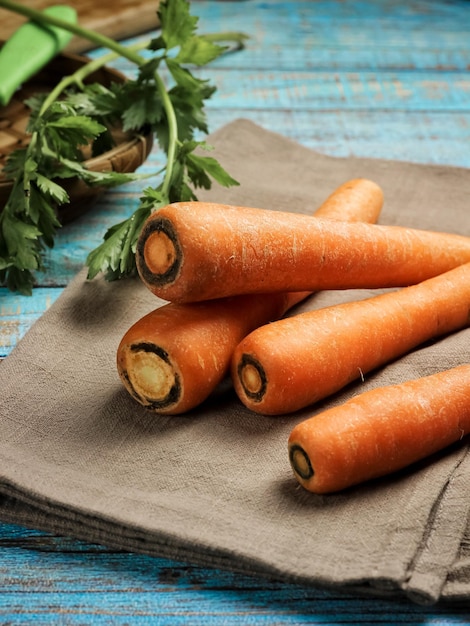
x,y
79,456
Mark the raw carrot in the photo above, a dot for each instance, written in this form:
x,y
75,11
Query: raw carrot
x,y
194,251
381,431
294,362
173,358
356,200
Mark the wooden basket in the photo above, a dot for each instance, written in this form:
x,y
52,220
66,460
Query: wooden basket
x,y
130,151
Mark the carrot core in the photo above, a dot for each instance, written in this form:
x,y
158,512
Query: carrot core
x,y
300,462
252,377
152,376
159,252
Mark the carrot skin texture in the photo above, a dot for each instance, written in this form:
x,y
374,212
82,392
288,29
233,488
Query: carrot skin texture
x,y
173,358
197,251
356,200
294,362
381,431
159,359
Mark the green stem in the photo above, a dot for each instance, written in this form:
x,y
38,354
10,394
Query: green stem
x,y
75,78
128,52
79,76
26,180
119,50
235,36
172,132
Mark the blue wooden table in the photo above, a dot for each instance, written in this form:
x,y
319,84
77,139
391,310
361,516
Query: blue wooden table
x,y
381,79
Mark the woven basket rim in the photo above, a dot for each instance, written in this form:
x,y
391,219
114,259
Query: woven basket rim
x,y
93,163
121,147
132,147
130,151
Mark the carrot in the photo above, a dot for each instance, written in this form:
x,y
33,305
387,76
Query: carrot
x,y
171,359
356,200
193,251
381,431
294,362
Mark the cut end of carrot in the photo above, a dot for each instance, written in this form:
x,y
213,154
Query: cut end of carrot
x,y
252,378
300,462
159,253
152,377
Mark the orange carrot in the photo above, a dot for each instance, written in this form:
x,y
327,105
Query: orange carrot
x,y
294,362
173,358
381,431
356,200
194,251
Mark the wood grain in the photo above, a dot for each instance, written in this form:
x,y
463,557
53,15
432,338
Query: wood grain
x,y
69,582
118,19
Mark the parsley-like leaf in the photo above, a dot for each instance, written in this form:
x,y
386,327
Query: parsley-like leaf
x,y
115,255
51,189
177,22
198,51
78,114
212,168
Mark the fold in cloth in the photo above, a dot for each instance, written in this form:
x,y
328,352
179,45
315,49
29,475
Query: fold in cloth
x,y
79,456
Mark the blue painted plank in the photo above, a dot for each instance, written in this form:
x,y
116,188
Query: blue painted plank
x,y
341,35
410,136
315,54
85,581
319,91
18,313
332,88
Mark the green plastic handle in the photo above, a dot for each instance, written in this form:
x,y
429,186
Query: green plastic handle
x,y
30,48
